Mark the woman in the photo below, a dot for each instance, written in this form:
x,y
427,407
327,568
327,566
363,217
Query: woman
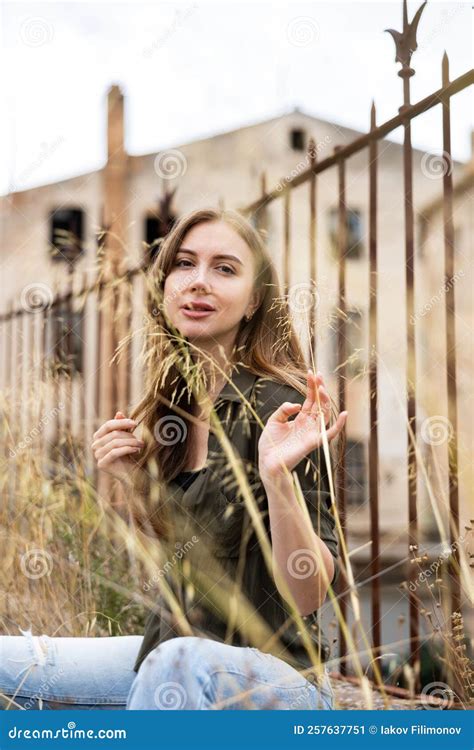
x,y
229,417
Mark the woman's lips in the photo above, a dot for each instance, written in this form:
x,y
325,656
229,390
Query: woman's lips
x,y
196,314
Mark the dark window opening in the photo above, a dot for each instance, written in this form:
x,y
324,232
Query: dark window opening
x,y
152,237
356,473
152,229
66,234
158,224
354,244
298,139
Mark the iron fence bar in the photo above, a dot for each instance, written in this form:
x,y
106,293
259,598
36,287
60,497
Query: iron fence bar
x,y
128,383
98,364
56,343
405,73
262,222
43,343
29,372
82,399
286,242
373,392
313,261
341,380
9,324
449,270
67,381
19,356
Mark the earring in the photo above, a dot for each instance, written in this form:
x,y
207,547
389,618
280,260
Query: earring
x,y
248,317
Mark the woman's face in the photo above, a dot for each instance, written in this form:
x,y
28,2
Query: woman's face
x,y
209,287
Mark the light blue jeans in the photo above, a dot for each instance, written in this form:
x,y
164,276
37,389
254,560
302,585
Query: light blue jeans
x,y
39,672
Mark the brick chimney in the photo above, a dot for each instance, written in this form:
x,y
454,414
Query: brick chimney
x,y
115,124
114,180
114,221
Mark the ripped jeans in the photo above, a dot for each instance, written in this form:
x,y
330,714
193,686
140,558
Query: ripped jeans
x,y
39,672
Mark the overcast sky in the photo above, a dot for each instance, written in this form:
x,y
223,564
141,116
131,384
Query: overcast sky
x,y
191,69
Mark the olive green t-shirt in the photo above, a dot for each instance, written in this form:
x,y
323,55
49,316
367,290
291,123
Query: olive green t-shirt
x,y
215,534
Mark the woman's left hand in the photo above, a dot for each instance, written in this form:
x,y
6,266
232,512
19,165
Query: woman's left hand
x,y
283,443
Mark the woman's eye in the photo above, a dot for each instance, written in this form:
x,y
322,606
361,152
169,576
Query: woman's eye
x,y
227,269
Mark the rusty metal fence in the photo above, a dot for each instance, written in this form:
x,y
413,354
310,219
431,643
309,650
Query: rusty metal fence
x,y
24,332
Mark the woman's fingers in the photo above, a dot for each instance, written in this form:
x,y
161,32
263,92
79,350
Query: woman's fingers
x,y
322,396
99,442
323,402
319,376
114,441
114,424
317,400
316,392
114,455
310,393
130,442
312,386
321,399
284,411
338,425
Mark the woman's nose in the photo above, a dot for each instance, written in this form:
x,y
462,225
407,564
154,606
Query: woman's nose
x,y
199,282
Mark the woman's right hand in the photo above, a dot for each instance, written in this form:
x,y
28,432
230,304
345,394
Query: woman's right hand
x,y
114,445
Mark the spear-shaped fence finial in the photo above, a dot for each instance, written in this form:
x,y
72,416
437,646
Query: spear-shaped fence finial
x,y
405,41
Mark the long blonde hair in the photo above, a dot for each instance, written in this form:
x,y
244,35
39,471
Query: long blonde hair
x,y
267,344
